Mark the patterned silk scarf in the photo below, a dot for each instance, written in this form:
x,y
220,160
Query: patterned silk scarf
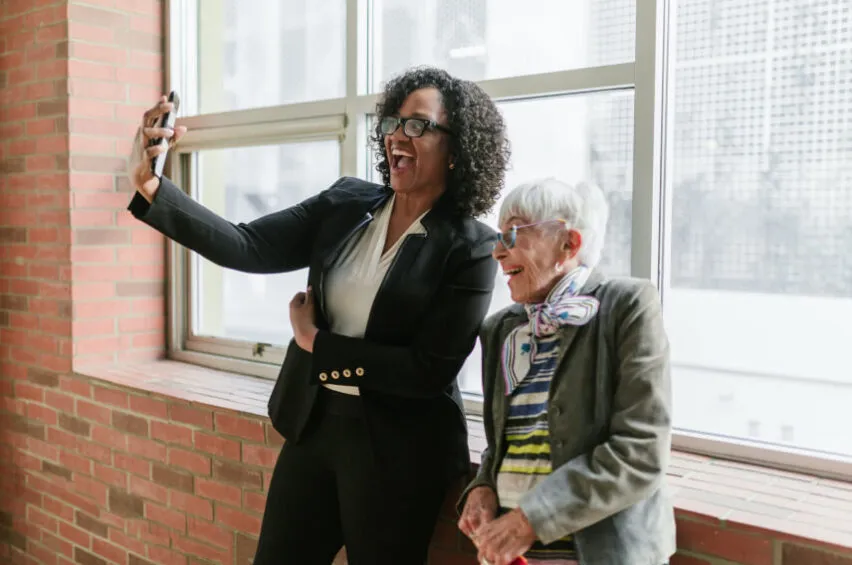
x,y
561,307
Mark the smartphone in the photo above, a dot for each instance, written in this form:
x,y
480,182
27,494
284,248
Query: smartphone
x,y
167,121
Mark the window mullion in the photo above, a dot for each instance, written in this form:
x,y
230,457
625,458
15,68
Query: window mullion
x,y
178,269
181,38
589,79
354,71
648,139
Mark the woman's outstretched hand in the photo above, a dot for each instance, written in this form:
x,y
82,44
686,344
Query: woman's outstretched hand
x,y
141,176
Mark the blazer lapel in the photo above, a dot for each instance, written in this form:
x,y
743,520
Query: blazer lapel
x,y
408,252
392,297
352,220
414,270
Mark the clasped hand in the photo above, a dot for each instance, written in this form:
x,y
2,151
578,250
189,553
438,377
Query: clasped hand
x,y
498,540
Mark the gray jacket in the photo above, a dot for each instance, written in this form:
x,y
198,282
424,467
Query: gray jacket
x,y
610,428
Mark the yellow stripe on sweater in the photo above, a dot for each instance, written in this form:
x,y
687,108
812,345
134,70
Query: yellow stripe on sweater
x,y
520,469
526,436
530,449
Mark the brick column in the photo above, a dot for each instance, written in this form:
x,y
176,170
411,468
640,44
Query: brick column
x,y
117,265
35,273
80,281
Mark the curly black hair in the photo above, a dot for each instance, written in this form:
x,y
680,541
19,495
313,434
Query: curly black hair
x,y
479,144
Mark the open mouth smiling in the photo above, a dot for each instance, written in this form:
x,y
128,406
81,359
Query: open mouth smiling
x,y
401,159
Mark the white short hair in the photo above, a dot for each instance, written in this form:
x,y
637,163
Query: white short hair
x,y
583,206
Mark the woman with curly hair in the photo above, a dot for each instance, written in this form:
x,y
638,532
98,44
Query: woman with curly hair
x,y
400,279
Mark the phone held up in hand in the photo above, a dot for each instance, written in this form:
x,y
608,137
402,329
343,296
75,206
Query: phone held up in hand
x,y
166,121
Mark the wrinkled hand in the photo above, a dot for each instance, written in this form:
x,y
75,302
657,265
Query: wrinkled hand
x,y
502,540
302,316
141,176
479,509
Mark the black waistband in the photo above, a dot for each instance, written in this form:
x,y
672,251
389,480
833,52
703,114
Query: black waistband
x,y
333,402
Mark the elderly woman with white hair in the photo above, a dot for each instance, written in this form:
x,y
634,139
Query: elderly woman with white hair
x,y
577,397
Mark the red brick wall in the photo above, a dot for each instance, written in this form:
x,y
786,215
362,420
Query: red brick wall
x,y
115,72
35,266
75,80
96,474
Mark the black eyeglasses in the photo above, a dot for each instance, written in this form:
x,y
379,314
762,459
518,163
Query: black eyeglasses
x,y
509,237
412,127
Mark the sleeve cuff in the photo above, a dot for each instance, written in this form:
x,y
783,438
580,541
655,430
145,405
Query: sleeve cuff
x,y
540,515
139,206
328,370
167,192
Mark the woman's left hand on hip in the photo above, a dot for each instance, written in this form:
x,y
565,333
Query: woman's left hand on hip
x,y
504,539
302,316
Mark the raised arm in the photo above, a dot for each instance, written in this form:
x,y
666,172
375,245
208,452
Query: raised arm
x,y
278,242
274,243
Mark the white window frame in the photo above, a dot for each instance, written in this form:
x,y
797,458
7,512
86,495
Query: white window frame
x,y
346,119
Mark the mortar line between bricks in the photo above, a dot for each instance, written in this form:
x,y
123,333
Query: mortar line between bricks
x,y
59,519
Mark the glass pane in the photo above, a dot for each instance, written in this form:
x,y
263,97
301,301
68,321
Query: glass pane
x,y
243,184
761,275
482,39
269,52
596,146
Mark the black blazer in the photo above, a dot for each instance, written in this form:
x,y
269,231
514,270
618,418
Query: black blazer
x,y
422,326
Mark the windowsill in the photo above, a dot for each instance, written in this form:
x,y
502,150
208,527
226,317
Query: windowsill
x,y
704,488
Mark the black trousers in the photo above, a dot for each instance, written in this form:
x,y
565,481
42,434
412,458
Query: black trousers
x,y
327,491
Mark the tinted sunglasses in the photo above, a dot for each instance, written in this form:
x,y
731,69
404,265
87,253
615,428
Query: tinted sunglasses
x,y
509,237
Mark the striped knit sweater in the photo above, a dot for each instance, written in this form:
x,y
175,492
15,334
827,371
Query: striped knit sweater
x,y
527,459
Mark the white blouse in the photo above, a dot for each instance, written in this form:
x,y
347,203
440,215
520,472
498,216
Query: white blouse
x,y
353,282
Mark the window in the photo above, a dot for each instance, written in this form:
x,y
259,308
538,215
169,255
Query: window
x,y
759,275
269,52
482,39
719,132
242,184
